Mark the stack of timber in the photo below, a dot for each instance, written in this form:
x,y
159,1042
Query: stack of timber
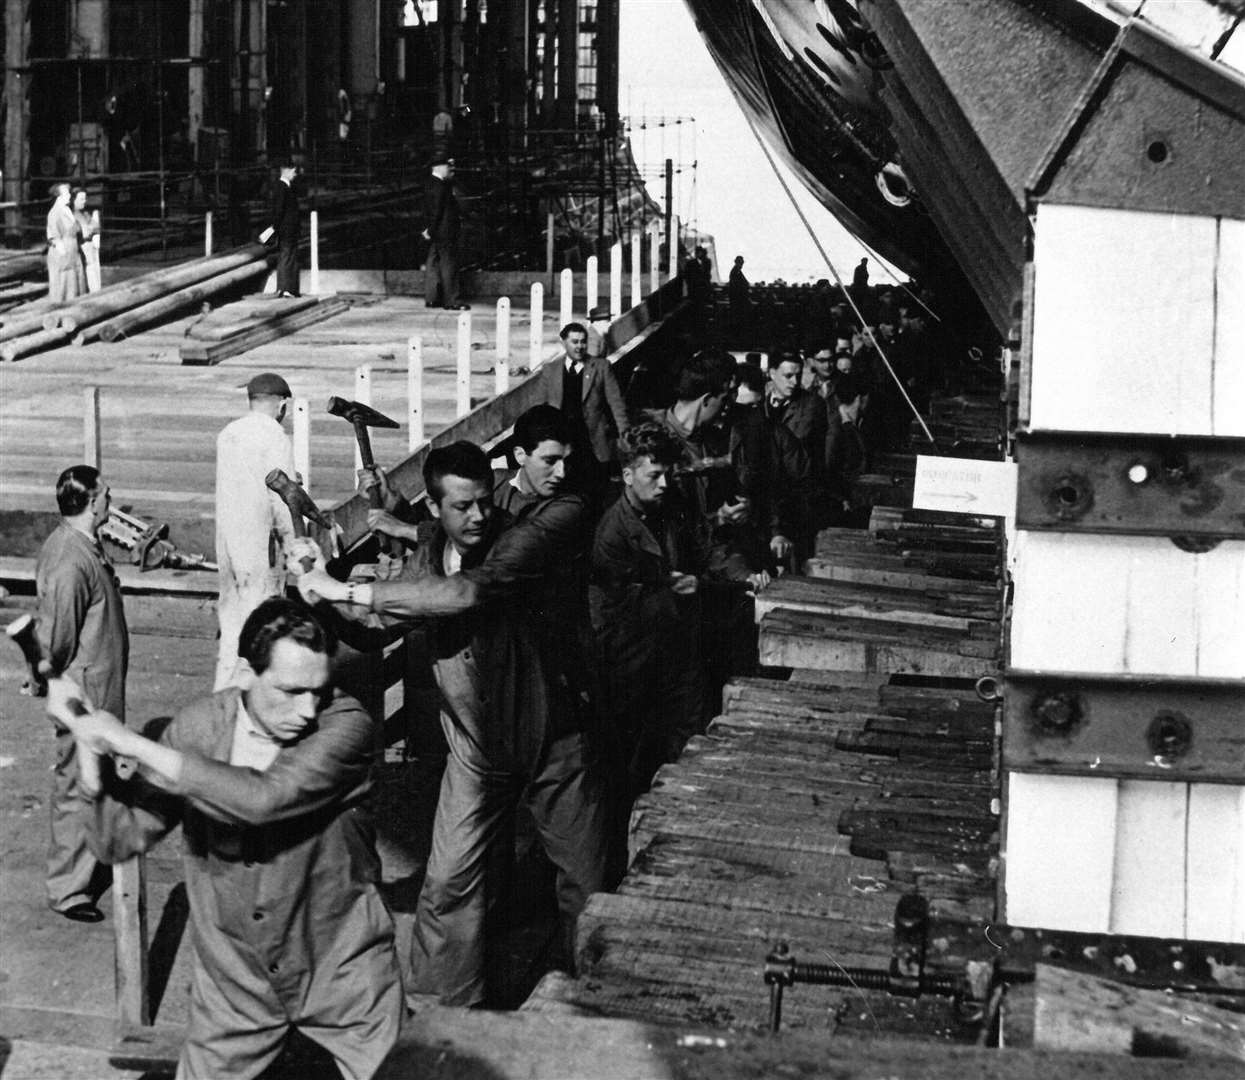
x,y
127,306
912,595
252,323
802,815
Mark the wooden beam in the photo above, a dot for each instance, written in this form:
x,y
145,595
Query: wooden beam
x,y
17,110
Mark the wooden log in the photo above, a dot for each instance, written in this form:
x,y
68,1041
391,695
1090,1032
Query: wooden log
x,y
193,352
1075,1011
145,314
33,343
130,294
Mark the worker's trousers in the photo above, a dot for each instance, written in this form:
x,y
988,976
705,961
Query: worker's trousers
x,y
564,796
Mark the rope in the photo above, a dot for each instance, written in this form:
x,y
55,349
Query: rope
x,y
839,281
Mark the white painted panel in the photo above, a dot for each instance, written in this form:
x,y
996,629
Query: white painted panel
x,y
1220,607
1128,604
1215,904
1230,330
1060,852
1148,889
1124,317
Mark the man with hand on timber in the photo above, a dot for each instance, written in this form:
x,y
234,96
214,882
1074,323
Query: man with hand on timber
x,y
515,723
81,630
253,525
286,226
270,781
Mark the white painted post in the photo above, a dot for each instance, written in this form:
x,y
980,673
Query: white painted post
x,y
536,331
315,253
637,270
566,297
592,273
90,428
549,248
302,441
415,392
463,382
207,233
654,259
616,279
363,395
502,370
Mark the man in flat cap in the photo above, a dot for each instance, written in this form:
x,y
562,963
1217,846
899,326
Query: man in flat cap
x,y
253,525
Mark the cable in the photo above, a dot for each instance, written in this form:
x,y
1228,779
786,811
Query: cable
x,y
838,280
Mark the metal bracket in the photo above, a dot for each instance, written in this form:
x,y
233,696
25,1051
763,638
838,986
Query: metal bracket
x,y
1141,485
1136,727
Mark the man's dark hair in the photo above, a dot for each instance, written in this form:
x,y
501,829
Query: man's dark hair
x,y
784,356
541,423
700,376
277,618
458,459
572,328
648,440
74,488
751,376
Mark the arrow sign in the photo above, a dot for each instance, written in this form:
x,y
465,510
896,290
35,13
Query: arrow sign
x,y
965,486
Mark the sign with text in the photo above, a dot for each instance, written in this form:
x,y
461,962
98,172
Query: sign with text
x,y
965,486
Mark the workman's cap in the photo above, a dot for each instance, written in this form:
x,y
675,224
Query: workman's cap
x,y
268,385
601,311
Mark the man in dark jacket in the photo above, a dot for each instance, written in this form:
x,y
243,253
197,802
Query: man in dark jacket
x,y
287,227
441,230
773,470
270,780
515,725
647,559
81,630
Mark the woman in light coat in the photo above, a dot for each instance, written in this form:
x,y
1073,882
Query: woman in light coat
x,y
66,274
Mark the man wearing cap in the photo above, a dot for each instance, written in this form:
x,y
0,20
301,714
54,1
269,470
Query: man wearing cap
x,y
598,327
252,523
441,229
586,391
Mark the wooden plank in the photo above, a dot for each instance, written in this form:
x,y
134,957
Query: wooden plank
x,y
1158,330
1075,1011
1128,604
837,569
1148,874
1214,903
783,648
1060,852
213,352
129,913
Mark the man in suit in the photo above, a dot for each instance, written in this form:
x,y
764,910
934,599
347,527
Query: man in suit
x,y
286,228
442,230
585,390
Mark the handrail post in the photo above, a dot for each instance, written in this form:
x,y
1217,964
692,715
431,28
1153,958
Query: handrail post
x,y
536,331
566,297
616,279
592,283
463,381
302,441
363,395
502,369
415,392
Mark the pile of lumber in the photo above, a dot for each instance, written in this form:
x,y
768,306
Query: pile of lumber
x,y
127,306
252,323
802,815
914,594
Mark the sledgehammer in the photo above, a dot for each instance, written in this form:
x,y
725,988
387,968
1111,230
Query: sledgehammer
x,y
21,632
363,417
